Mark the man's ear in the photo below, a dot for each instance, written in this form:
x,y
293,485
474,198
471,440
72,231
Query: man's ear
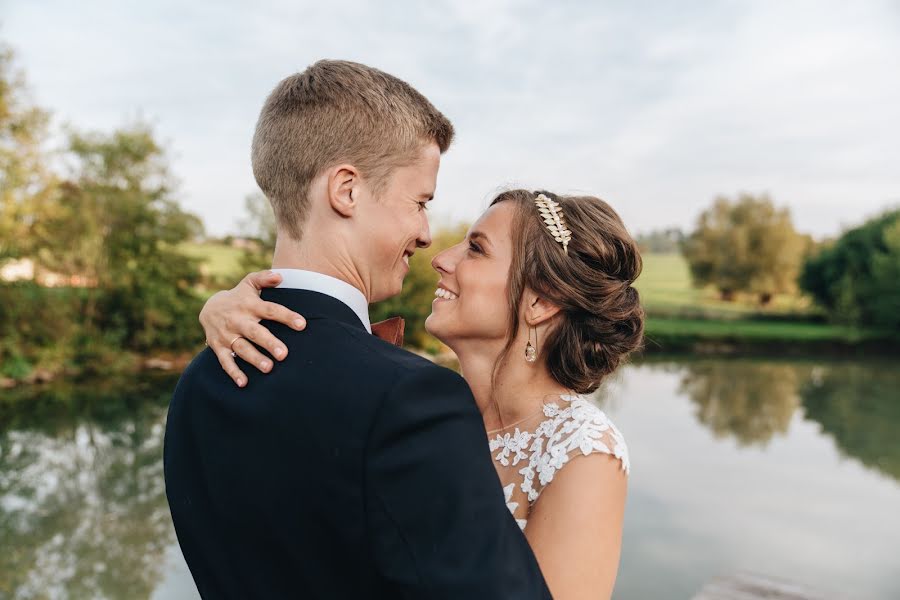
x,y
538,310
342,181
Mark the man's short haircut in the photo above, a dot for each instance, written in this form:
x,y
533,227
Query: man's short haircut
x,y
338,112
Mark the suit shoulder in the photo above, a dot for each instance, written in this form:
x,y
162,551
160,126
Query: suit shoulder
x,y
401,360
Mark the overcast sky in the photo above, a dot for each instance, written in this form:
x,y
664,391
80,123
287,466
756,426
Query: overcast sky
x,y
654,106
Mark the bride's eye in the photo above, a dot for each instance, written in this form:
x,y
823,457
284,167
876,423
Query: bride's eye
x,y
475,248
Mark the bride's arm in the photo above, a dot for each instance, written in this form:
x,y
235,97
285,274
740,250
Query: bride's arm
x,y
230,320
575,528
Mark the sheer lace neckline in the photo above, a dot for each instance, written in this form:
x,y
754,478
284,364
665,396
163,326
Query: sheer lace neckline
x,y
573,426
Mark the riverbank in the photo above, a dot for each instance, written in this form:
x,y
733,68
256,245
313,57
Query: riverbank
x,y
759,337
126,364
664,335
681,320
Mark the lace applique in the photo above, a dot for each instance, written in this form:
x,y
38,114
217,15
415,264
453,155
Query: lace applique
x,y
512,506
577,427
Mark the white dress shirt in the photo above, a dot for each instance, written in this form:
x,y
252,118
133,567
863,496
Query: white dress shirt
x,y
299,279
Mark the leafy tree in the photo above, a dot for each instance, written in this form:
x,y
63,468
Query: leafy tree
x,y
857,278
746,245
25,181
116,226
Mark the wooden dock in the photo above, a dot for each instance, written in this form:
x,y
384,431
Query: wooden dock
x,y
754,586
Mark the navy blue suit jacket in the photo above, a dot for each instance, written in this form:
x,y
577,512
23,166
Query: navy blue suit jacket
x,y
354,469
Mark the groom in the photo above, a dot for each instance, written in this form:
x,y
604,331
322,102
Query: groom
x,y
355,469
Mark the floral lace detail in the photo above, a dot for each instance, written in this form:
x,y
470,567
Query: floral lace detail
x,y
578,427
512,506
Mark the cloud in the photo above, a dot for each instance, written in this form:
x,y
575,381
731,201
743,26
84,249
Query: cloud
x,y
655,107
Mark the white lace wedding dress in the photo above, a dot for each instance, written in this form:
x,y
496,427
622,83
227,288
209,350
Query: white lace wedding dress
x,y
573,426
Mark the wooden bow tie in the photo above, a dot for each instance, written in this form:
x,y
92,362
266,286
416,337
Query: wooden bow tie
x,y
390,330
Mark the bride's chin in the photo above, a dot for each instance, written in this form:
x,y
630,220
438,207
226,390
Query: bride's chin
x,y
433,327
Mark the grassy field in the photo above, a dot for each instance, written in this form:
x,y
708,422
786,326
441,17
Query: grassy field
x,y
683,318
666,291
217,260
680,318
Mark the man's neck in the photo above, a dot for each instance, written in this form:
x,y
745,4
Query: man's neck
x,y
290,254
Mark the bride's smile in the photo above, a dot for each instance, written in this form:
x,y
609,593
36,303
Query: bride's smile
x,y
471,298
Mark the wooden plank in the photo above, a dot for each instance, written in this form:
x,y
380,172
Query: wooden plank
x,y
755,586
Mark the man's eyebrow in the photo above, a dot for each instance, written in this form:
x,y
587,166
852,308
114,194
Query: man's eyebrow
x,y
428,197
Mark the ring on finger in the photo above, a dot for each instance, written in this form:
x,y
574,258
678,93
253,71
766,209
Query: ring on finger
x,y
231,345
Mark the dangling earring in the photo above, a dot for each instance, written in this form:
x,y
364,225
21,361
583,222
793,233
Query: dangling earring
x,y
531,351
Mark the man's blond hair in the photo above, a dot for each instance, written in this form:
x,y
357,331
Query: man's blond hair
x,y
338,112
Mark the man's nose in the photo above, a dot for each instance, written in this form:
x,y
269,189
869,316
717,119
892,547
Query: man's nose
x,y
424,239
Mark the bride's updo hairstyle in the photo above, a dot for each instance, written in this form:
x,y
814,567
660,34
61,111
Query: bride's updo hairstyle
x,y
601,320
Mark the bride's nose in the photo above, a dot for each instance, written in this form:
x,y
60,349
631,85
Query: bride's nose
x,y
443,261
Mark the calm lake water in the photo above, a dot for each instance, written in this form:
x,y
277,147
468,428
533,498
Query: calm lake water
x,y
790,469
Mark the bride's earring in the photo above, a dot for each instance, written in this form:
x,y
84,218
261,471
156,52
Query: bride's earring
x,y
531,351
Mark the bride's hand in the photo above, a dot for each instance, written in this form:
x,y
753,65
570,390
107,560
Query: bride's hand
x,y
230,320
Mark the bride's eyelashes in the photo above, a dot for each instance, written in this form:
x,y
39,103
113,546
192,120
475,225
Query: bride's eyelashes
x,y
474,247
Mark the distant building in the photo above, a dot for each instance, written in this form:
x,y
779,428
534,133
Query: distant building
x,y
244,243
16,270
24,269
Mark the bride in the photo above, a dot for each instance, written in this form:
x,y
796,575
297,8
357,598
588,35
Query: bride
x,y
539,306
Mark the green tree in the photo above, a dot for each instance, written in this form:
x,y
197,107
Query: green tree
x,y
746,245
30,319
857,277
117,227
25,181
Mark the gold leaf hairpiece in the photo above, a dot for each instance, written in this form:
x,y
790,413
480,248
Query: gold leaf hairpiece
x,y
554,219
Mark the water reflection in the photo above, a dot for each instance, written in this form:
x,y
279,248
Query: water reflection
x,y
741,465
859,406
84,513
753,401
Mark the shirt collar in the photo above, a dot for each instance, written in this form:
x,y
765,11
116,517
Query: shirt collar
x,y
330,286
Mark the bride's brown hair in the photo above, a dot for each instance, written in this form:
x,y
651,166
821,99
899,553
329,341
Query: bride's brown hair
x,y
601,320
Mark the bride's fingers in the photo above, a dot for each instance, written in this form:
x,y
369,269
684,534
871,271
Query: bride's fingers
x,y
243,348
262,337
273,311
262,279
228,363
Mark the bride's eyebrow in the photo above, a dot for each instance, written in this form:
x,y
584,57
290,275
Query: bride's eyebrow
x,y
479,235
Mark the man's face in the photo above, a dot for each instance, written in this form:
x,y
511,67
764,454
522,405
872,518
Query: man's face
x,y
395,225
